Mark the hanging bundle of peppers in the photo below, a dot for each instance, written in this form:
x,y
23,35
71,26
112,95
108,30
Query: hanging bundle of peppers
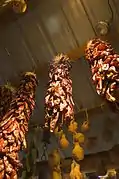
x,y
104,63
7,93
59,105
14,126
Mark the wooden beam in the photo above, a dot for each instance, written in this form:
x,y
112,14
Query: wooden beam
x,y
77,53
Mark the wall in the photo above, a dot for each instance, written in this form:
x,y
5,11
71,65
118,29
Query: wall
x,y
49,27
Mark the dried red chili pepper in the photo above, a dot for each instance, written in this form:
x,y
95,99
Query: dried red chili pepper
x,y
104,63
59,105
14,126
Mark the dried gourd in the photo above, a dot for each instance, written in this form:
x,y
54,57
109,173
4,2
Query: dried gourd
x,y
85,126
79,137
73,127
64,143
78,152
75,171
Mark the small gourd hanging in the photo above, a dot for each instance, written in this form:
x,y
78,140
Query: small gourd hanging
x,y
75,171
77,152
54,164
56,175
79,137
64,143
73,126
85,126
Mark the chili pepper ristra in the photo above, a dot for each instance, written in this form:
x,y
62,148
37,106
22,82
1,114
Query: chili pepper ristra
x,y
14,126
104,63
59,105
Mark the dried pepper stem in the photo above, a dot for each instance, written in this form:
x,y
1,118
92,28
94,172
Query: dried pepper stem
x,y
59,105
14,126
104,63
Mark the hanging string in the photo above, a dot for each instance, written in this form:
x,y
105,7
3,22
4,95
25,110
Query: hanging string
x,y
85,110
86,114
44,155
111,11
90,109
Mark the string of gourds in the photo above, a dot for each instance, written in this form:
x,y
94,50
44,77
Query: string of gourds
x,y
7,93
104,64
14,126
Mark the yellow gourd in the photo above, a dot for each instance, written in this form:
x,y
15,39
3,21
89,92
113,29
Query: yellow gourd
x,y
85,126
56,175
75,171
54,159
73,126
79,137
77,152
64,143
111,173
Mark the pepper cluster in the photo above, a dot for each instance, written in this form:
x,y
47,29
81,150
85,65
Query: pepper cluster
x,y
58,101
14,126
104,63
7,93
